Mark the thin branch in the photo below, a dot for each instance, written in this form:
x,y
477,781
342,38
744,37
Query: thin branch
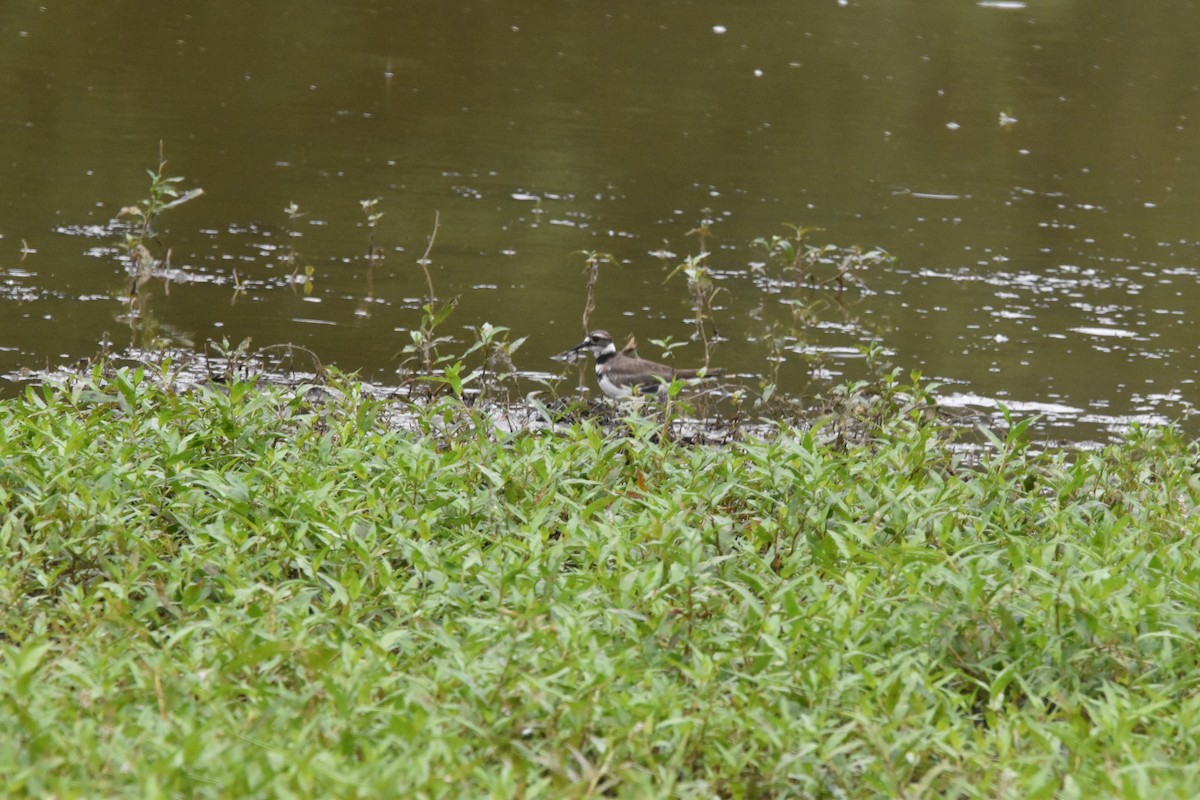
x,y
424,260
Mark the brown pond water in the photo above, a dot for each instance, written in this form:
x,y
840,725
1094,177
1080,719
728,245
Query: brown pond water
x,y
1033,167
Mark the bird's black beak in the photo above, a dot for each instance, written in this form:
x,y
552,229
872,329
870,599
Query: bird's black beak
x,y
572,355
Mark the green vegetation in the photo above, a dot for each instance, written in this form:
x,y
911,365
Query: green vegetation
x,y
163,194
258,592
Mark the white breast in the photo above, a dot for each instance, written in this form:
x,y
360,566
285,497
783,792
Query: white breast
x,y
611,389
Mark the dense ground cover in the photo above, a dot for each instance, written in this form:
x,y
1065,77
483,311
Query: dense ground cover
x,y
245,593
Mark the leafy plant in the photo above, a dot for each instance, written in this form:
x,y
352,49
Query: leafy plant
x,y
196,583
435,369
290,257
163,194
702,291
426,342
803,262
497,350
814,281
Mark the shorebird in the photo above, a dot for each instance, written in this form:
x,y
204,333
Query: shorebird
x,y
621,375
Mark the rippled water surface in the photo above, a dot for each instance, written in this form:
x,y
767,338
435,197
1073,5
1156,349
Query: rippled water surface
x,y
1033,168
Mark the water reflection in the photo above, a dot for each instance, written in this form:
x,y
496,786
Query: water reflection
x,y
1029,165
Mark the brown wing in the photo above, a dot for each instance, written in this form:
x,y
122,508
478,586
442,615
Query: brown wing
x,y
643,367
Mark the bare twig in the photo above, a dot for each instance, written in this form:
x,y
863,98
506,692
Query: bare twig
x,y
424,260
